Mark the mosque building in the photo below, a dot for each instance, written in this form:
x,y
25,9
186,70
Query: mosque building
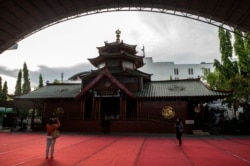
x,y
118,97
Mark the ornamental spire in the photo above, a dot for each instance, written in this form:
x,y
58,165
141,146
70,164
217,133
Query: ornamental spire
x,y
118,32
143,51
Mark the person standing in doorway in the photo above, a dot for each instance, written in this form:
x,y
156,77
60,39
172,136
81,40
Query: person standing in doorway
x,y
51,126
179,130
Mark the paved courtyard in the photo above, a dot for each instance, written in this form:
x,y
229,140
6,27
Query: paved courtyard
x,y
28,148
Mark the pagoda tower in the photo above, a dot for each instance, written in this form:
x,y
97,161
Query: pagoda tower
x,y
119,60
111,87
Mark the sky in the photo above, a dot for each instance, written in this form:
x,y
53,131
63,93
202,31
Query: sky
x,y
66,47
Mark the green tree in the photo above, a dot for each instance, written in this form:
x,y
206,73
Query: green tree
x,y
40,81
18,88
241,83
227,68
1,84
56,81
213,79
1,89
26,80
5,92
231,74
241,47
247,43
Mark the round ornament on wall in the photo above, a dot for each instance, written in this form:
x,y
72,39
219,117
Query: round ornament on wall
x,y
168,112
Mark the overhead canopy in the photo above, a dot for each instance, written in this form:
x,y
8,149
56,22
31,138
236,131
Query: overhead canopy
x,y
19,19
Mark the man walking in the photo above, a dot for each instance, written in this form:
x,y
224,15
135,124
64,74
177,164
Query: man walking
x,y
179,129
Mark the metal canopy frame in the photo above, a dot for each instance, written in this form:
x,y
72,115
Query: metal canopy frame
x,y
22,18
153,10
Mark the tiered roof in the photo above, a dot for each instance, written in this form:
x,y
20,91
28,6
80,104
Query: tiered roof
x,y
117,49
117,71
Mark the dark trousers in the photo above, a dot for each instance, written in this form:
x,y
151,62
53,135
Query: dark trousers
x,y
178,136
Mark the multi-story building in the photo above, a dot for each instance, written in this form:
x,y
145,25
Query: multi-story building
x,y
171,71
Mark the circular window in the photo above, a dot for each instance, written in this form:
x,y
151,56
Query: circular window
x,y
168,112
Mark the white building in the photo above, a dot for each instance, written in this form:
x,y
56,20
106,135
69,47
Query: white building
x,y
168,70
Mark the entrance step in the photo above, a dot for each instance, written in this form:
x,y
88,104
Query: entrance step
x,y
200,132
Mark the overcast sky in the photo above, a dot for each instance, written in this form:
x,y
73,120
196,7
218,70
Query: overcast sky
x,y
65,47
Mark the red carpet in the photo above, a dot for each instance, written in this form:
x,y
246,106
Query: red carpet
x,y
28,149
204,152
162,152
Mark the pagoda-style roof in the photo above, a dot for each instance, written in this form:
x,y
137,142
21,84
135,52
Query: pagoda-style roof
x,y
190,88
53,91
136,73
117,50
117,44
104,55
105,73
181,89
118,71
79,75
138,60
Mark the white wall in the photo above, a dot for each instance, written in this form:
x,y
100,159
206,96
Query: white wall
x,y
163,70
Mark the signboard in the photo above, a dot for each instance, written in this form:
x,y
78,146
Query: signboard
x,y
107,93
189,122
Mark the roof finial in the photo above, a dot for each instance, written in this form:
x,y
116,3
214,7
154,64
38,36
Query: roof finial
x,y
118,32
143,51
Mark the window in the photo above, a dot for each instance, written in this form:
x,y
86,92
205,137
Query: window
x,y
206,70
113,62
127,64
190,71
176,71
